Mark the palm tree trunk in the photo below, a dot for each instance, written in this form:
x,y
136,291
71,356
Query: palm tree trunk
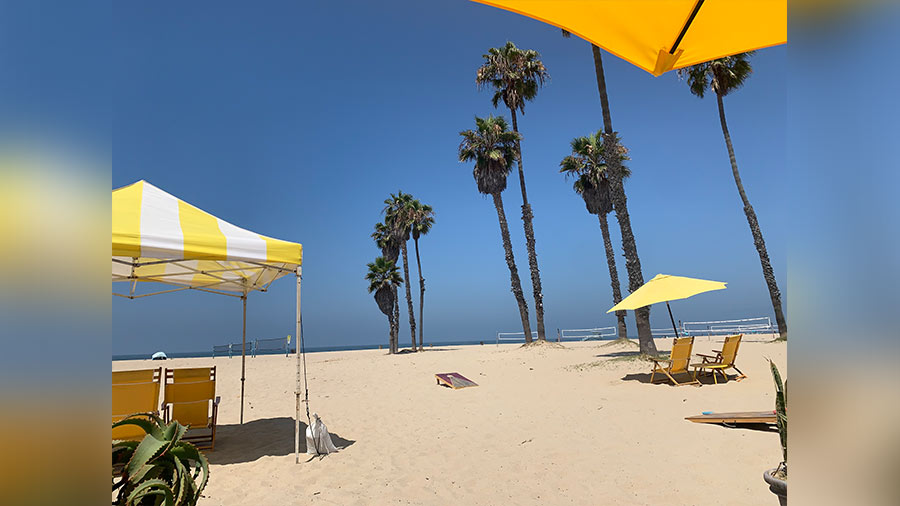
x,y
527,220
515,282
396,321
613,274
421,294
620,204
758,240
409,303
391,334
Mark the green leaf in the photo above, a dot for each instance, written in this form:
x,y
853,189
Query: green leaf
x,y
151,487
147,425
148,448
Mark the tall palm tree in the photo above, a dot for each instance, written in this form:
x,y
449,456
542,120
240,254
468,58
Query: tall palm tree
x,y
620,205
383,279
722,76
493,148
588,165
516,75
422,218
390,249
396,215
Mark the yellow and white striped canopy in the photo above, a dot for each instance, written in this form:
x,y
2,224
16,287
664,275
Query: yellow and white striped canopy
x,y
160,238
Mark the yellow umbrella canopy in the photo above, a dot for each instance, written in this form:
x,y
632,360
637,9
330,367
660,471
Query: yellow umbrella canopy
x,y
662,35
663,288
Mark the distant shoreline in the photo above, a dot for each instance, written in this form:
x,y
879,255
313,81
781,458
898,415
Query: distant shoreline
x,y
319,349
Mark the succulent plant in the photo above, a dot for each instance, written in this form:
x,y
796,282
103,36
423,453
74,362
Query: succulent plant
x,y
780,413
160,469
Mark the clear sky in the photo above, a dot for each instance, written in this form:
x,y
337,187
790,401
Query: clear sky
x,y
296,121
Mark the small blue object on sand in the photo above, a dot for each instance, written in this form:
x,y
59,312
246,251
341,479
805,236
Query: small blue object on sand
x,y
707,412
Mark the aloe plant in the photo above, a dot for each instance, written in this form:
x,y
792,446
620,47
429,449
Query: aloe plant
x,y
780,413
161,469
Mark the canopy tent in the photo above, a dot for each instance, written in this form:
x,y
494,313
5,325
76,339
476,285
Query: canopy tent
x,y
159,238
661,35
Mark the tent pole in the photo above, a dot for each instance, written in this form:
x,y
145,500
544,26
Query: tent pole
x,y
243,355
297,388
673,319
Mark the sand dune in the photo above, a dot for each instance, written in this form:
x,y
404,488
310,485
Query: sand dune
x,y
579,425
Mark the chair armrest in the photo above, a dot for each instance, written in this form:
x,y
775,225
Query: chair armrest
x,y
216,401
709,358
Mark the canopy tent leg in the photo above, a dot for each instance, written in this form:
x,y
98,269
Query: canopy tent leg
x,y
297,389
243,356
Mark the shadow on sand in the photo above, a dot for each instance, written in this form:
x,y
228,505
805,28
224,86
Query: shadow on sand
x,y
266,437
704,379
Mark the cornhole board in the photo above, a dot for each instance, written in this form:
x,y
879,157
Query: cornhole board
x,y
454,380
735,418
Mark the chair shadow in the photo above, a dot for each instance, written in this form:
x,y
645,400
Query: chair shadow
x,y
759,427
266,437
644,377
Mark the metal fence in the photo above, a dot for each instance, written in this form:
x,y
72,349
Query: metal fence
x,y
255,347
515,337
760,325
601,333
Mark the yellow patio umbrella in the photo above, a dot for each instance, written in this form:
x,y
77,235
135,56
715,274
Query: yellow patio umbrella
x,y
662,35
663,288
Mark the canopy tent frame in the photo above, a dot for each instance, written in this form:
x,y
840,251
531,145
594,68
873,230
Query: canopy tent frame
x,y
166,231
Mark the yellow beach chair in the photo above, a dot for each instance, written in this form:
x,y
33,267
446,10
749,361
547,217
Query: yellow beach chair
x,y
190,398
134,392
722,360
677,363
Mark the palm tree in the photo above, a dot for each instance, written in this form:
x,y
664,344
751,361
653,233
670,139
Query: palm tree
x,y
396,215
723,76
516,75
422,218
383,279
493,148
588,165
390,249
620,205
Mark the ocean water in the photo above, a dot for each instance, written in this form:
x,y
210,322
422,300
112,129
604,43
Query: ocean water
x,y
312,349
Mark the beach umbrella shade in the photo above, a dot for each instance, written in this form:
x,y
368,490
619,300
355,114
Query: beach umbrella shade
x,y
664,288
662,35
158,356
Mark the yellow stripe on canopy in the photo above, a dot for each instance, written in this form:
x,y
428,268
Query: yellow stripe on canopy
x,y
663,288
126,220
159,238
645,32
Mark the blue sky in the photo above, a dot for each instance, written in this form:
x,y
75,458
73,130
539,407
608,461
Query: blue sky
x,y
297,121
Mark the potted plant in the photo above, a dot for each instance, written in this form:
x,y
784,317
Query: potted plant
x,y
777,477
161,469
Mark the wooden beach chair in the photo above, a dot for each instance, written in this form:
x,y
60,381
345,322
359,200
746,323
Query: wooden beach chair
x,y
677,363
134,392
736,418
190,397
722,360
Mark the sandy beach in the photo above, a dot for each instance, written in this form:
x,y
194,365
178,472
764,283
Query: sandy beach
x,y
579,425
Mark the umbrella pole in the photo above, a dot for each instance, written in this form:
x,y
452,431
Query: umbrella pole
x,y
672,318
243,356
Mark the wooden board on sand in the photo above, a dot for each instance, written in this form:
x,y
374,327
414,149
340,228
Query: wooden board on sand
x,y
737,417
454,380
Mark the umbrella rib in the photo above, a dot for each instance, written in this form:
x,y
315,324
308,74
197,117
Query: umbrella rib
x,y
686,26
